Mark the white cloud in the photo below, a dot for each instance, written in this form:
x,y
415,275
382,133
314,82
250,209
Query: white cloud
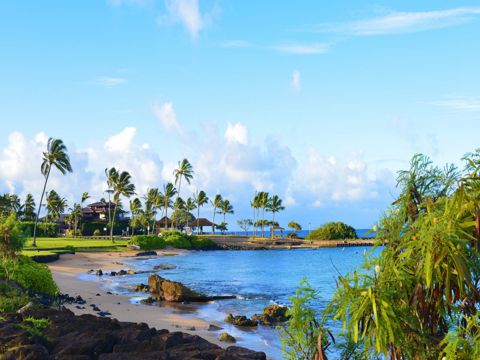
x,y
109,81
236,44
302,49
188,14
398,22
459,103
296,80
237,133
168,118
121,141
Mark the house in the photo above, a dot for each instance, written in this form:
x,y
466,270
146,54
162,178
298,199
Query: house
x,y
98,211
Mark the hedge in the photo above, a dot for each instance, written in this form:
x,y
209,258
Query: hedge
x,y
148,242
333,231
88,228
173,239
44,229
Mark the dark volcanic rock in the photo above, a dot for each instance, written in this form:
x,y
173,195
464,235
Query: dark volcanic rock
x,y
164,267
272,314
141,288
147,253
241,320
165,290
91,337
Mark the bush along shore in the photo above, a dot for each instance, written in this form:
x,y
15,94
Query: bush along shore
x,y
34,324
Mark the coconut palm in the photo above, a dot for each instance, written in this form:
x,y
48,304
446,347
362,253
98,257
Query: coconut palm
x,y
184,171
56,155
85,196
190,205
274,205
120,184
216,203
168,193
55,205
76,214
255,204
201,199
29,208
225,208
135,210
153,202
263,201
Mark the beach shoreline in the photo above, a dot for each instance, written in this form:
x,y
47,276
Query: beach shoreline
x,y
67,269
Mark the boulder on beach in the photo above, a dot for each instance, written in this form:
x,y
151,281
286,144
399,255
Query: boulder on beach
x,y
272,314
241,321
164,267
165,290
141,288
226,337
147,253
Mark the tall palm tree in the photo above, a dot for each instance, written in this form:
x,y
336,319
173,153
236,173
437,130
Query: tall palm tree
x,y
201,199
121,185
135,208
275,205
168,193
190,205
29,208
225,208
153,202
56,155
216,203
255,204
263,200
184,171
76,214
55,205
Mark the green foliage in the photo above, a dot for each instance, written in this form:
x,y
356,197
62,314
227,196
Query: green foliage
x,y
29,274
148,242
88,228
96,232
34,327
11,298
302,334
463,342
199,243
177,240
72,232
333,231
11,238
44,229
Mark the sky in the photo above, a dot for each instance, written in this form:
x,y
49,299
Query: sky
x,y
318,102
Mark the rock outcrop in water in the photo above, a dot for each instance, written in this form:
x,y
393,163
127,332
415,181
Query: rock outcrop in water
x,y
165,290
241,321
90,337
272,314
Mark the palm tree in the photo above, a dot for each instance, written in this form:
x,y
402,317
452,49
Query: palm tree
x,y
169,192
120,185
263,200
190,205
56,155
216,203
153,201
29,208
225,208
135,208
255,204
184,171
274,206
85,196
55,205
201,199
76,213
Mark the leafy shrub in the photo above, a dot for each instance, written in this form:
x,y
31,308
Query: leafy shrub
x,y
96,232
177,240
333,231
34,327
88,228
72,233
11,298
28,274
44,229
11,238
148,242
202,243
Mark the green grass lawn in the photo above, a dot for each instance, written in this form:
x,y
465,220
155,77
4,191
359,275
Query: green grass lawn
x,y
58,245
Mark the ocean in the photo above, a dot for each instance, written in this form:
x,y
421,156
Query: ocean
x,y
258,278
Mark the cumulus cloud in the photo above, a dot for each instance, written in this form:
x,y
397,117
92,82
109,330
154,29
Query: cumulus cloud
x,y
459,103
188,14
296,80
237,133
165,113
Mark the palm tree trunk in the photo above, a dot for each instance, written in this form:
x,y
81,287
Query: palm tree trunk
x,y
254,230
178,195
224,224
477,227
263,222
39,207
273,224
213,222
166,214
198,219
113,222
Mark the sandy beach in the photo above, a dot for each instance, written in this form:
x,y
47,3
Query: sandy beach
x,y
65,272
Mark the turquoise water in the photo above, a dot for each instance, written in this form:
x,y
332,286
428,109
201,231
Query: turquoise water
x,y
258,278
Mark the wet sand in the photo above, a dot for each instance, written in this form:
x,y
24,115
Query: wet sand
x,y
65,272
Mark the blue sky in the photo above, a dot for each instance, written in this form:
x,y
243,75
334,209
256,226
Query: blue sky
x,y
319,103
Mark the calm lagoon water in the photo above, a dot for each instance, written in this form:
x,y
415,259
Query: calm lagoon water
x,y
259,278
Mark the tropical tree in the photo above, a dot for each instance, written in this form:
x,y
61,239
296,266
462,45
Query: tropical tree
x,y
184,171
120,184
190,205
135,210
56,155
255,204
274,205
200,199
167,195
245,224
225,208
84,198
263,201
55,205
76,214
29,208
216,203
153,202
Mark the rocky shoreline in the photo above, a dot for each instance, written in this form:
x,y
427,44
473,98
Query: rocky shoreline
x,y
64,335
